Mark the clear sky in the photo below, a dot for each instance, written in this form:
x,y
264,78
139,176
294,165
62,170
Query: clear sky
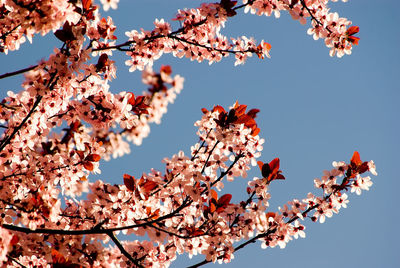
x,y
314,110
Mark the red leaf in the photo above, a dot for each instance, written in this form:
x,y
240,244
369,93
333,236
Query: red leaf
x,y
61,35
224,200
219,108
75,125
80,153
350,32
274,165
355,160
132,99
86,4
353,39
213,208
197,232
147,186
245,119
255,131
253,113
270,214
88,165
66,33
140,100
206,211
93,158
102,62
228,5
214,194
14,240
241,109
129,182
260,164
59,261
166,69
266,170
57,257
155,214
353,30
363,168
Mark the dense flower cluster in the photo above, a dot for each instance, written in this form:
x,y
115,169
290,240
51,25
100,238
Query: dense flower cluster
x,y
325,24
67,118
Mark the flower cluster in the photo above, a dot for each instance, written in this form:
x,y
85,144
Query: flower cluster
x,y
325,24
199,39
179,210
67,118
20,20
278,228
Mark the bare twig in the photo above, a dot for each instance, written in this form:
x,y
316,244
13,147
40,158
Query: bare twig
x,y
123,250
18,72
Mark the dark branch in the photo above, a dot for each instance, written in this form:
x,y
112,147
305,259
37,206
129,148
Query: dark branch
x,y
18,72
122,249
312,15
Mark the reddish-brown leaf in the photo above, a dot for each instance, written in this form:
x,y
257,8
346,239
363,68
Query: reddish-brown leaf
x,y
241,109
224,200
93,158
255,131
88,165
353,30
353,39
213,208
355,159
270,214
14,240
197,232
245,119
260,164
102,62
166,69
214,194
266,170
155,214
66,33
274,165
80,154
86,4
57,257
131,100
253,113
219,109
129,182
148,186
350,32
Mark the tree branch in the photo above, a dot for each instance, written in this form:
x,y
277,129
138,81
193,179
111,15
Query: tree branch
x,y
269,232
17,262
313,17
6,140
18,72
122,249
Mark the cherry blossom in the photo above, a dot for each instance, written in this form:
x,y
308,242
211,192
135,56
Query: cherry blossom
x,y
107,4
68,117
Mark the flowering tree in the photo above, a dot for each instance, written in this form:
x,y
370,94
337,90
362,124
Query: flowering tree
x,y
66,119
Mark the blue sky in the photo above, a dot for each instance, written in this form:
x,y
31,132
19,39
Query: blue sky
x,y
314,109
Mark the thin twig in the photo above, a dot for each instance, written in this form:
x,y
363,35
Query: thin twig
x,y
17,262
313,17
18,72
7,139
123,250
